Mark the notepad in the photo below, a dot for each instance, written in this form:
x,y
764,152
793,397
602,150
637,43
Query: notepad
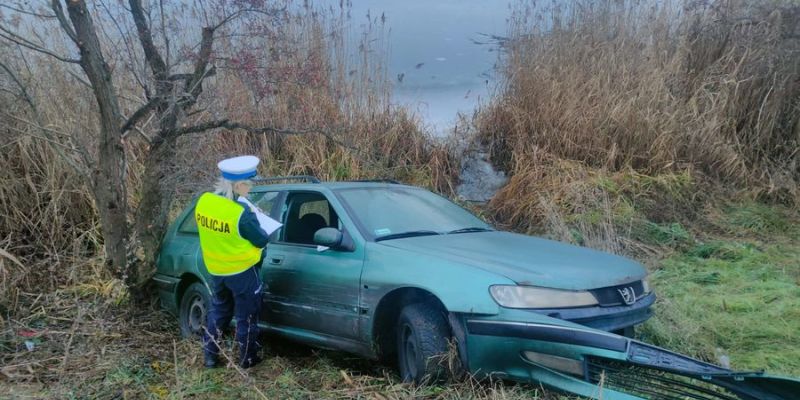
x,y
268,224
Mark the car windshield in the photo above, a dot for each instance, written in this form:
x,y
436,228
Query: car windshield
x,y
393,213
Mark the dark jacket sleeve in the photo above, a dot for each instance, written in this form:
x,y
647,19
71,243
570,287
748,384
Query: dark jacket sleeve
x,y
250,229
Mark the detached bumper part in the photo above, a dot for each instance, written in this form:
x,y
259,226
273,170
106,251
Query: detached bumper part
x,y
601,365
652,372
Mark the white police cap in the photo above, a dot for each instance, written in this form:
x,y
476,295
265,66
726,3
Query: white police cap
x,y
238,168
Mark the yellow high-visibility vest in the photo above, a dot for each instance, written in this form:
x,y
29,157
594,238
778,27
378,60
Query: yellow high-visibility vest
x,y
225,252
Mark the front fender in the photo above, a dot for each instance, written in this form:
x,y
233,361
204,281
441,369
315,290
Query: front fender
x,y
460,288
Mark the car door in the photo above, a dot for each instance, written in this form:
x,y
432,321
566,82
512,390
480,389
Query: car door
x,y
311,289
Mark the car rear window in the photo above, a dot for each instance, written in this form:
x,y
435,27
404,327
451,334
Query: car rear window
x,y
189,224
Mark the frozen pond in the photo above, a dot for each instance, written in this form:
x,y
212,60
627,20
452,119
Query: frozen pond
x,y
441,66
441,69
437,68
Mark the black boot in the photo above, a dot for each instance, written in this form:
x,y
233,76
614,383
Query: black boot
x,y
211,361
250,362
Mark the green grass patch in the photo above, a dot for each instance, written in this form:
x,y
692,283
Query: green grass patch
x,y
665,234
754,218
731,298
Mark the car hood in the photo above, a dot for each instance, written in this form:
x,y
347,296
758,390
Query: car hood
x,y
527,260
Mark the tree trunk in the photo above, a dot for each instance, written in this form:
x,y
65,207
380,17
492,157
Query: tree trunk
x,y
157,187
153,212
108,178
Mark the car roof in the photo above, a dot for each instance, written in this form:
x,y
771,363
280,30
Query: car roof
x,y
328,185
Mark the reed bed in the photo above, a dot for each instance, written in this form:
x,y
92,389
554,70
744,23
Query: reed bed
x,y
647,90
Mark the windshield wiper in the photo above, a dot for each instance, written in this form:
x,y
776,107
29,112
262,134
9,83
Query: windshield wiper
x,y
471,229
405,235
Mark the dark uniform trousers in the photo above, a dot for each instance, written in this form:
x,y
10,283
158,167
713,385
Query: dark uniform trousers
x,y
235,296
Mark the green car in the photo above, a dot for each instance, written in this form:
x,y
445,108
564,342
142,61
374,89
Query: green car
x,y
394,272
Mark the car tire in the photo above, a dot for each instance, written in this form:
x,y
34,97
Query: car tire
x,y
422,344
193,311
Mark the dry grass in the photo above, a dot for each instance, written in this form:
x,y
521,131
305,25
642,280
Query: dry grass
x,y
47,218
86,344
655,87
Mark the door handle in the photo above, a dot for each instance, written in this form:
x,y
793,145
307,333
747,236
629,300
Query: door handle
x,y
276,260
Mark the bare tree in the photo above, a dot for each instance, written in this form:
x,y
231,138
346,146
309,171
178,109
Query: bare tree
x,y
172,87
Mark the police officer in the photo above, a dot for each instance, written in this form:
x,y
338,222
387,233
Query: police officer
x,y
232,244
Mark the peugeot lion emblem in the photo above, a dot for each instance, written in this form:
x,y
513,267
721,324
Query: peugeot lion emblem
x,y
628,295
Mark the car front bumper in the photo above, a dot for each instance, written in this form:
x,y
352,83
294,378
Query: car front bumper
x,y
587,362
608,319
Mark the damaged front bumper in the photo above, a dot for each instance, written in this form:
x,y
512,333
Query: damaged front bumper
x,y
606,318
600,365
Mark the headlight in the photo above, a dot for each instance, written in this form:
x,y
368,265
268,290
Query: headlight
x,y
537,297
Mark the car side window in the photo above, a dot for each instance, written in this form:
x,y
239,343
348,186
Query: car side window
x,y
189,224
319,207
306,214
264,200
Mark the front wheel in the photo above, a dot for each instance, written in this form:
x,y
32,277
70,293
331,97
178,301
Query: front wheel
x,y
422,344
193,311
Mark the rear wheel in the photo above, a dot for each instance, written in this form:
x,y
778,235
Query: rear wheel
x,y
193,312
422,344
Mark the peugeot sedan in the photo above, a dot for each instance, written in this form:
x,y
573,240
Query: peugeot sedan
x,y
395,272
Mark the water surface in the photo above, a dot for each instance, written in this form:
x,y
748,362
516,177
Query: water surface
x,y
437,68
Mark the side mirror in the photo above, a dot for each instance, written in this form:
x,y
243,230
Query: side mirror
x,y
328,237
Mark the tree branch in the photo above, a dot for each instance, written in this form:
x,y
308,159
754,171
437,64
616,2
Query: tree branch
x,y
31,13
194,86
151,54
62,19
16,39
164,31
126,34
13,76
80,79
243,11
139,114
228,124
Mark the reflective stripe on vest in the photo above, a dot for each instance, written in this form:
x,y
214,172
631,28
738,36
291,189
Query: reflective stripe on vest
x,y
225,252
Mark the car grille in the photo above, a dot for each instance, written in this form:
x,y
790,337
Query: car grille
x,y
653,384
612,296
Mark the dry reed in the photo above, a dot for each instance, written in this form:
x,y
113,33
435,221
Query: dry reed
x,y
665,102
